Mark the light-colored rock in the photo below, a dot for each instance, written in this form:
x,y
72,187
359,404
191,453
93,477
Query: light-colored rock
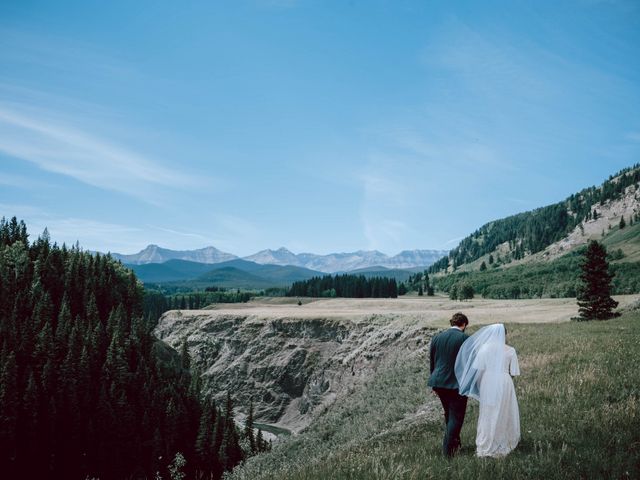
x,y
290,365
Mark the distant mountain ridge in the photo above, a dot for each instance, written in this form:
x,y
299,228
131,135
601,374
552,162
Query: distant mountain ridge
x,y
331,263
235,273
155,254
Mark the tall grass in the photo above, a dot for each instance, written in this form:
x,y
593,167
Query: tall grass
x,y
579,397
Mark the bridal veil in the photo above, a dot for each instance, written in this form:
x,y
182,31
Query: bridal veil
x,y
481,358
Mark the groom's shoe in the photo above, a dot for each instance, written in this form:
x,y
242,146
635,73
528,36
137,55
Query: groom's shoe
x,y
457,445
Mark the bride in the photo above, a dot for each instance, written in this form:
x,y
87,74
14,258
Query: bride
x,y
484,367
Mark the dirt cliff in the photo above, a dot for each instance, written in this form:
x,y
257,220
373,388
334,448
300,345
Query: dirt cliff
x,y
288,362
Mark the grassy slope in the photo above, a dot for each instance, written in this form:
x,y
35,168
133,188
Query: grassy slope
x,y
579,397
627,239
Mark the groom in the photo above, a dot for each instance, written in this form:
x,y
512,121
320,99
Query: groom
x,y
443,351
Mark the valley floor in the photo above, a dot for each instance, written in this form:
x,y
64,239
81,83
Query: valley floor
x,y
431,311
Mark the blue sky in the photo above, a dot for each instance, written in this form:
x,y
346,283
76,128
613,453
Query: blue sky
x,y
319,126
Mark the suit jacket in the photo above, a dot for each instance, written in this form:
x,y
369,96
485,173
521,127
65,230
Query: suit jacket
x,y
443,352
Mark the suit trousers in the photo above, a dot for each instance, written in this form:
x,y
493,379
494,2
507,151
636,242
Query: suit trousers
x,y
455,407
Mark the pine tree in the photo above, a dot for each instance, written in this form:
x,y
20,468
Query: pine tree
x,y
248,428
185,358
9,403
453,292
622,223
483,266
465,291
594,297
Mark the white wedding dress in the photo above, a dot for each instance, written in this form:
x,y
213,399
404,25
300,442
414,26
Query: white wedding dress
x,y
484,367
498,424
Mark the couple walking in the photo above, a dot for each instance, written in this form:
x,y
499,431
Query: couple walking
x,y
478,366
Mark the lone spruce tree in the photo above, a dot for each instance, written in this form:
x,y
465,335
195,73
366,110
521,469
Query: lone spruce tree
x,y
594,297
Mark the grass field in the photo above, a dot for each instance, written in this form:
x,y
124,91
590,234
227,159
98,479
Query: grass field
x,y
579,397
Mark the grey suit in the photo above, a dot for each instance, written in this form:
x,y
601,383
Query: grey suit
x,y
442,353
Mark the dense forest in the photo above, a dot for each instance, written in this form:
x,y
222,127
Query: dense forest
x,y
86,391
350,286
155,303
533,231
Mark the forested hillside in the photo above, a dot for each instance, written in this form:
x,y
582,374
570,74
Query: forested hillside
x,y
531,232
556,279
86,391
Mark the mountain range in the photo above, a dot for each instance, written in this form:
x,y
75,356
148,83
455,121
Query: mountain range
x,y
331,263
236,273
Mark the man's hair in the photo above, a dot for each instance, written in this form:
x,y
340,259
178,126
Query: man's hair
x,y
459,319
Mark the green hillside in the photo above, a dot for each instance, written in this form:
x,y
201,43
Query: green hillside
x,y
231,274
169,271
578,397
231,277
627,240
530,232
284,275
556,278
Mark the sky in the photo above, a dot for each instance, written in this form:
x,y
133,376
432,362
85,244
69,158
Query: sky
x,y
320,126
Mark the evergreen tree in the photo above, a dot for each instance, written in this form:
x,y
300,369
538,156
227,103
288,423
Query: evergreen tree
x,y
453,292
185,358
594,297
248,429
622,223
483,266
465,291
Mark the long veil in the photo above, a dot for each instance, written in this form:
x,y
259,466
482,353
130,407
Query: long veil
x,y
479,365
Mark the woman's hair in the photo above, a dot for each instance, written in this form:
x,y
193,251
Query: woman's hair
x,y
505,329
459,319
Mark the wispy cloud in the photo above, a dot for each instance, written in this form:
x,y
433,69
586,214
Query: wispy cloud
x,y
383,201
452,242
463,150
179,233
60,55
277,3
633,136
20,181
91,234
40,137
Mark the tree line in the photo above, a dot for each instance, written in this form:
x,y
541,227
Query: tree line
x,y
155,302
85,389
346,285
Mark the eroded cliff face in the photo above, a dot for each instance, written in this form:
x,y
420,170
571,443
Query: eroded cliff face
x,y
290,365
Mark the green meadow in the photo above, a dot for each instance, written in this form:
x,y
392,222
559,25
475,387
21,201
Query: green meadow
x,y
579,397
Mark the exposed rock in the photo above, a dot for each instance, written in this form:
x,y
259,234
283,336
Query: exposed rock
x,y
289,366
609,215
